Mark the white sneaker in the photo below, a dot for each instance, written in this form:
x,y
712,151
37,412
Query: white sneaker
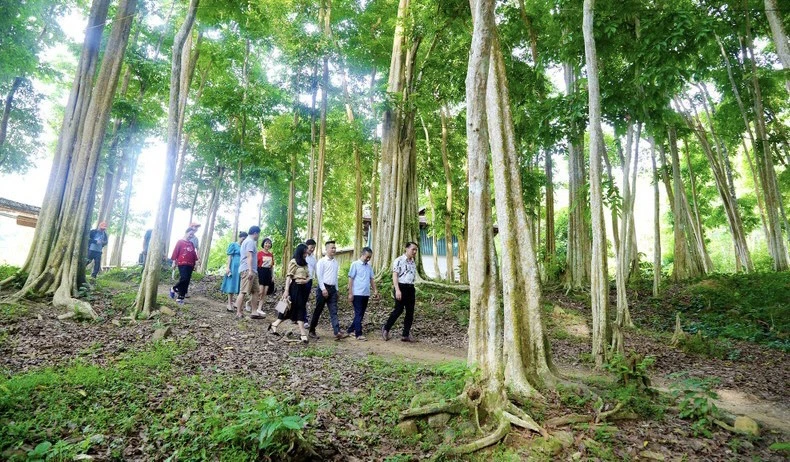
x,y
247,308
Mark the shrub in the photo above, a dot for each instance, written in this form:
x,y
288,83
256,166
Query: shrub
x,y
694,397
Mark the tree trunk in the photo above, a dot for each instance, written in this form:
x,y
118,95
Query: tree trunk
x,y
689,262
55,264
245,83
375,171
237,202
779,36
117,251
527,353
765,167
610,180
325,16
9,102
435,249
311,174
599,279
577,275
208,232
630,167
696,222
448,204
146,296
718,167
656,223
195,196
397,220
357,167
288,245
551,247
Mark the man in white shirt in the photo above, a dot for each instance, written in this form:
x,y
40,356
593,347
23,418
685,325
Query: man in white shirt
x,y
310,259
404,272
326,293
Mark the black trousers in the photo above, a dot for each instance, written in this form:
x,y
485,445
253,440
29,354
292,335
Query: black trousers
x,y
406,302
184,276
95,257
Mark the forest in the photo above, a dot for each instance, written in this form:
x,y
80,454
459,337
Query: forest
x,y
595,192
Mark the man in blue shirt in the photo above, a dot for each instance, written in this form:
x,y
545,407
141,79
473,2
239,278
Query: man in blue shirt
x,y
360,280
97,240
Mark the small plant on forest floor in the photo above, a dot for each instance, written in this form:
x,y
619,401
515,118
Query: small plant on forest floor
x,y
12,312
695,401
699,344
633,392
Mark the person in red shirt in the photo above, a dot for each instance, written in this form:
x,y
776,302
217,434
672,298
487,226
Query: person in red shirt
x,y
184,256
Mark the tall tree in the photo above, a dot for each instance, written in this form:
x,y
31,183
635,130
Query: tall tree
x,y
779,36
146,296
55,264
599,280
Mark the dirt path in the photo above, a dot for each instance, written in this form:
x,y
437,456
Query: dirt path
x,y
209,313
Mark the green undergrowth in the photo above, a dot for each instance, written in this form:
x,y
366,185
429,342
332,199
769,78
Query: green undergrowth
x,y
436,303
62,412
12,312
751,307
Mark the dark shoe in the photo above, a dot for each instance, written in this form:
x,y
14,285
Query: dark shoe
x,y
313,335
340,336
272,330
385,334
409,339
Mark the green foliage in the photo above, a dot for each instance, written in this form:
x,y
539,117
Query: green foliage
x,y
694,397
699,344
7,271
748,307
68,410
12,312
632,369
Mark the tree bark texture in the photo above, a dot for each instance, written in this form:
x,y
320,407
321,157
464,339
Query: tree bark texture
x,y
656,223
688,258
55,264
448,204
599,279
779,36
208,231
397,220
146,296
765,167
577,275
551,246
325,16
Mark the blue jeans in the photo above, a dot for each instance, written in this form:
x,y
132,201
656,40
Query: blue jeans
x,y
320,301
360,303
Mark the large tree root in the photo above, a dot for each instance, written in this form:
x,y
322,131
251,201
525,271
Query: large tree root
x,y
506,415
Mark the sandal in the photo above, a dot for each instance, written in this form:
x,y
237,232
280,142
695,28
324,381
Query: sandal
x,y
304,339
272,330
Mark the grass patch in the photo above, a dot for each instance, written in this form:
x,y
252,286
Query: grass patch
x,y
751,307
13,312
58,413
440,304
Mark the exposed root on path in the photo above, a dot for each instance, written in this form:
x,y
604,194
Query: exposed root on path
x,y
499,413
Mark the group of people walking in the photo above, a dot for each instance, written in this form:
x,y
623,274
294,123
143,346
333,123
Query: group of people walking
x,y
249,275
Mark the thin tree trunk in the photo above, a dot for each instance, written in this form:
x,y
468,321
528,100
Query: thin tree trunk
x,y
779,36
146,296
696,223
599,290
325,16
237,202
9,102
615,221
656,223
688,260
551,247
117,251
577,274
435,249
311,174
208,232
357,168
448,204
765,167
289,224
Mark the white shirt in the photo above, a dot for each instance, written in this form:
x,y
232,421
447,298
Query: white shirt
x,y
310,265
326,272
406,269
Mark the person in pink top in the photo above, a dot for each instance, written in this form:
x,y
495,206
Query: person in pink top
x,y
184,257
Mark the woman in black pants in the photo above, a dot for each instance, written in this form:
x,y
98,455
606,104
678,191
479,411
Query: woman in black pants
x,y
297,290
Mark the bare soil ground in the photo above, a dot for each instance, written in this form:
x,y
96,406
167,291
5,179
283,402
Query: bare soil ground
x,y
756,384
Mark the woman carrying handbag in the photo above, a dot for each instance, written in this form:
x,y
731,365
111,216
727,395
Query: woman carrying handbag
x,y
296,292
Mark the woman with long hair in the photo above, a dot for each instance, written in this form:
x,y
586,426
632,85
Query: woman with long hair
x,y
297,290
232,281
